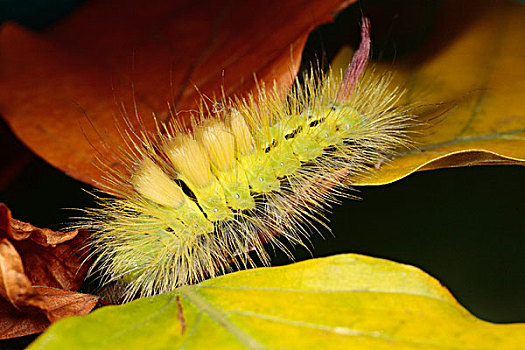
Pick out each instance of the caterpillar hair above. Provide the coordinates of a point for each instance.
(190, 202)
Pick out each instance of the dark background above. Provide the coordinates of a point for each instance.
(464, 226)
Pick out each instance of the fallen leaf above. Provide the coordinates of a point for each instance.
(164, 48)
(57, 304)
(53, 259)
(475, 64)
(39, 271)
(15, 287)
(14, 323)
(339, 302)
(19, 231)
(62, 303)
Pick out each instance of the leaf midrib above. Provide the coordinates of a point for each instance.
(357, 290)
(219, 317)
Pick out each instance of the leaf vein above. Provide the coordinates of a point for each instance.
(220, 317)
(322, 291)
(346, 331)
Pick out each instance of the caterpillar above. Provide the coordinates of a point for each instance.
(190, 202)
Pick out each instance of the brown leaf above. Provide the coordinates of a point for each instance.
(50, 258)
(60, 267)
(14, 323)
(19, 230)
(165, 48)
(62, 303)
(38, 268)
(59, 304)
(15, 287)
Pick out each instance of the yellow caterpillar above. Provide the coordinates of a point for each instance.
(192, 201)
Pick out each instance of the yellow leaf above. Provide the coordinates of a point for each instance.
(340, 302)
(475, 62)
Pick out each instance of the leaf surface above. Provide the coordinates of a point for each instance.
(344, 301)
(475, 65)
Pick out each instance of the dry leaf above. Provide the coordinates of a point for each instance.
(15, 286)
(165, 48)
(39, 269)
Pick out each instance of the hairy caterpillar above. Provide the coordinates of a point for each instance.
(189, 202)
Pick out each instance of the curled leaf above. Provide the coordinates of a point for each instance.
(15, 287)
(39, 271)
(18, 230)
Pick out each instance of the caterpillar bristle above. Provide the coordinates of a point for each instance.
(191, 202)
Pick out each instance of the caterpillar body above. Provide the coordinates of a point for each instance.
(191, 202)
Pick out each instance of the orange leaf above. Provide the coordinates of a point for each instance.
(163, 47)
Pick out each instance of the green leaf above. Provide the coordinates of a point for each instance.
(339, 302)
